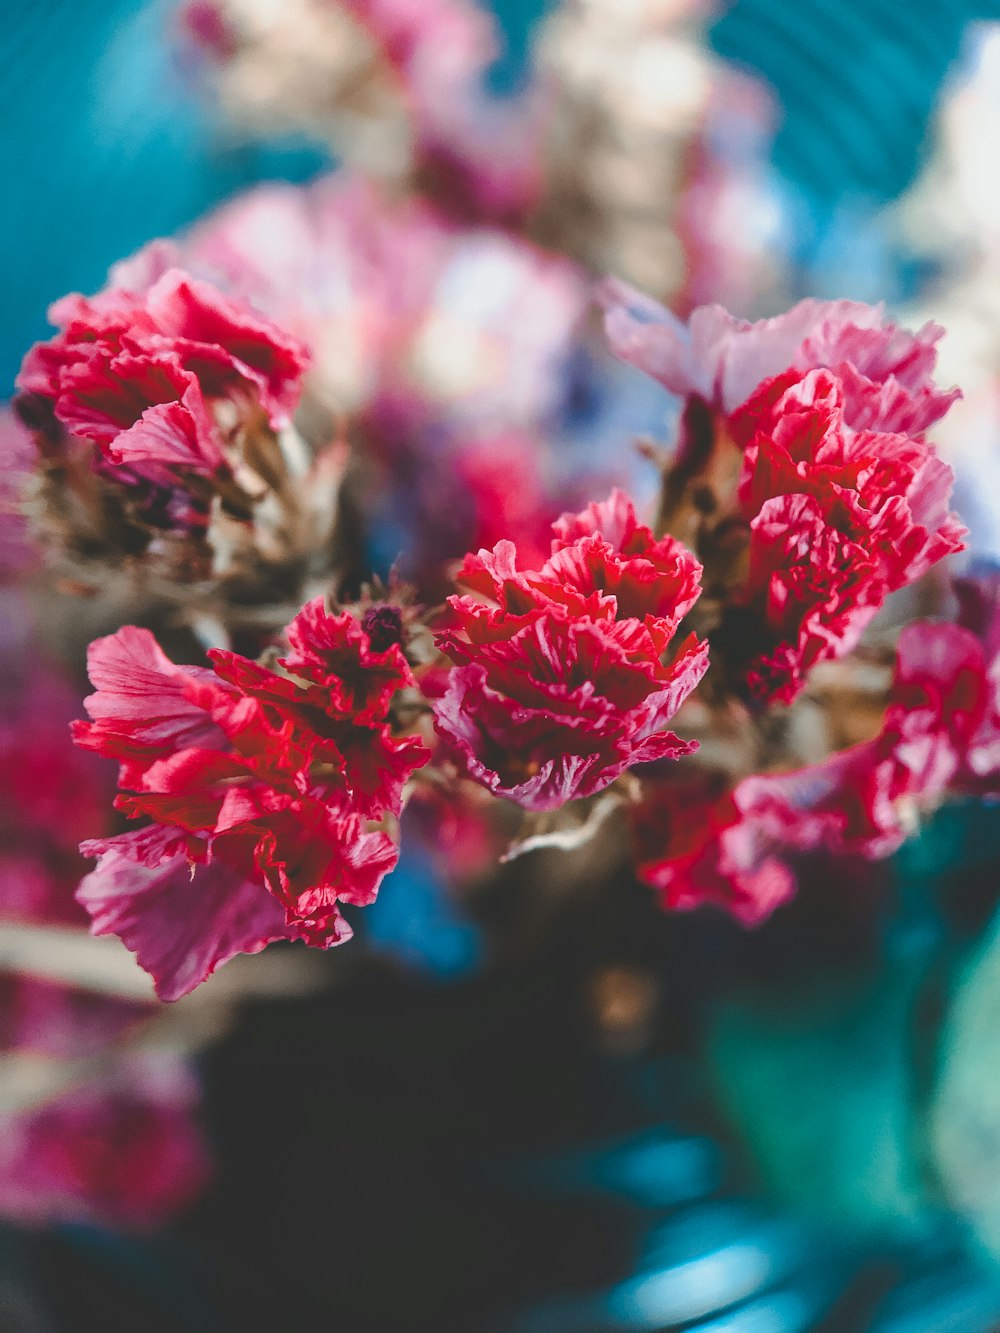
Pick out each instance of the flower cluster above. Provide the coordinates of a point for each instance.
(693, 845)
(155, 409)
(297, 467)
(803, 477)
(262, 789)
(941, 732)
(561, 679)
(838, 518)
(270, 790)
(411, 371)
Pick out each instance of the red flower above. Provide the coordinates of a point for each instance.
(944, 717)
(605, 548)
(181, 919)
(259, 786)
(979, 614)
(138, 374)
(844, 500)
(226, 345)
(809, 593)
(731, 851)
(362, 664)
(838, 519)
(941, 726)
(697, 849)
(867, 796)
(893, 487)
(560, 682)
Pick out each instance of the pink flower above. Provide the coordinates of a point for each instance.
(732, 850)
(697, 849)
(887, 371)
(139, 374)
(182, 920)
(176, 321)
(606, 549)
(559, 682)
(51, 1019)
(863, 800)
(51, 795)
(78, 1154)
(259, 786)
(121, 1153)
(81, 1154)
(838, 518)
(866, 797)
(809, 593)
(839, 498)
(362, 664)
(944, 716)
(940, 733)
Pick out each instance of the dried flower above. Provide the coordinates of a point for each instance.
(561, 682)
(162, 415)
(802, 478)
(260, 787)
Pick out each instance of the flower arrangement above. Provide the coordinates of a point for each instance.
(392, 515)
(801, 496)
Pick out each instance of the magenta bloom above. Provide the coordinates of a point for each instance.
(140, 374)
(864, 800)
(178, 322)
(944, 717)
(941, 732)
(51, 795)
(259, 787)
(841, 499)
(839, 518)
(81, 1153)
(696, 848)
(560, 680)
(125, 1152)
(979, 602)
(887, 371)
